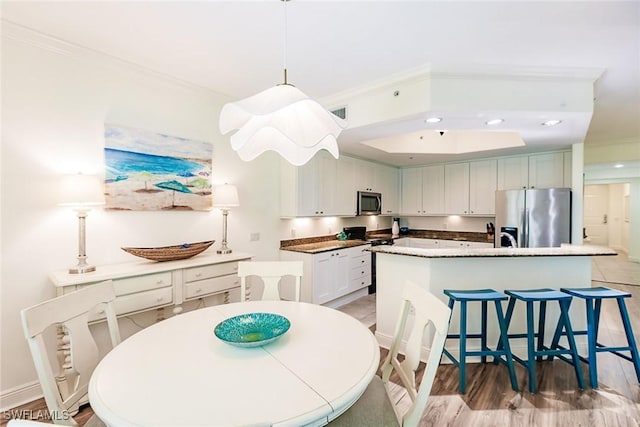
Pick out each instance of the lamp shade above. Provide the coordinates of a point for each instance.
(80, 190)
(225, 196)
(284, 120)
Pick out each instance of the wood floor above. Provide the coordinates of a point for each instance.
(489, 400)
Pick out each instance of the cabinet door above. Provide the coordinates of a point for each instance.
(308, 188)
(433, 190)
(345, 189)
(365, 176)
(513, 173)
(322, 277)
(482, 187)
(327, 183)
(387, 183)
(546, 170)
(341, 268)
(456, 194)
(411, 199)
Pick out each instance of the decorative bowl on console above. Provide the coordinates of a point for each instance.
(170, 253)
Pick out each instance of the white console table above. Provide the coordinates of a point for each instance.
(149, 285)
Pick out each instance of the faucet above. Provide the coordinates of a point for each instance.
(512, 241)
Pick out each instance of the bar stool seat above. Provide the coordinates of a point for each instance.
(483, 296)
(593, 301)
(536, 350)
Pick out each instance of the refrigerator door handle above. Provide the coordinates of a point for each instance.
(525, 228)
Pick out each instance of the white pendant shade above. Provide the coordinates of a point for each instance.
(284, 120)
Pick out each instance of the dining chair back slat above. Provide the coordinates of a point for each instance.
(426, 320)
(65, 387)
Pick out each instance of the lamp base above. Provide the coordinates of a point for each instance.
(224, 251)
(80, 269)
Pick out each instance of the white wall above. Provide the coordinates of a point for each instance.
(55, 101)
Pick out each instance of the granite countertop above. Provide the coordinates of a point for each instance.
(564, 250)
(323, 246)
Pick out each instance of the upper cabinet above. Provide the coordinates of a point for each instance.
(422, 190)
(327, 187)
(546, 170)
(456, 188)
(483, 181)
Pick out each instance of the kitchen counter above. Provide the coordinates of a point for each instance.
(479, 268)
(564, 250)
(323, 246)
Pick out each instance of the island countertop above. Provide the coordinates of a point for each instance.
(564, 250)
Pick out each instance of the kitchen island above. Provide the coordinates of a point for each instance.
(479, 268)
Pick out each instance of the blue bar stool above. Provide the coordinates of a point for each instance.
(484, 296)
(535, 351)
(593, 300)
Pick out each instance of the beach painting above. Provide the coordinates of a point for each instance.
(148, 171)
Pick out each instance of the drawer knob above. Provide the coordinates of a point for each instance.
(160, 282)
(198, 291)
(198, 274)
(159, 299)
(101, 311)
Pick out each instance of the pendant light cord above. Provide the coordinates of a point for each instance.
(284, 59)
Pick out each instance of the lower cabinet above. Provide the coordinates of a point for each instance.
(145, 286)
(331, 277)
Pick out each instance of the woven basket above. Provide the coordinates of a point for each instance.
(170, 253)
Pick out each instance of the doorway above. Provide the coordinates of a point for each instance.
(604, 215)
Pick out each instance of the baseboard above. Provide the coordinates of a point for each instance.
(20, 395)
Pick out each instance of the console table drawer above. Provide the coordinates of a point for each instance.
(147, 282)
(208, 271)
(137, 302)
(206, 287)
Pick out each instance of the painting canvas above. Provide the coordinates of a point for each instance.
(147, 171)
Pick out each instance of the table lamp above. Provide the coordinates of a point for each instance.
(225, 197)
(81, 192)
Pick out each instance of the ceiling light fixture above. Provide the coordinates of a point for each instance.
(619, 165)
(281, 119)
(494, 122)
(552, 122)
(433, 120)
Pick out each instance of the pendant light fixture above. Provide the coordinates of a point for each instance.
(282, 119)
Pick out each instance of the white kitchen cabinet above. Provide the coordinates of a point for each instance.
(513, 173)
(333, 277)
(360, 268)
(345, 189)
(365, 175)
(387, 182)
(546, 170)
(456, 188)
(411, 194)
(423, 191)
(309, 190)
(482, 187)
(433, 190)
(143, 286)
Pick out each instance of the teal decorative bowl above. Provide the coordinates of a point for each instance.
(252, 329)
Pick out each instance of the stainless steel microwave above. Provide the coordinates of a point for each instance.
(369, 203)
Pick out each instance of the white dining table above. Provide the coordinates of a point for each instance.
(178, 373)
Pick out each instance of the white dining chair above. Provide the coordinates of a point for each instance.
(383, 403)
(65, 387)
(271, 273)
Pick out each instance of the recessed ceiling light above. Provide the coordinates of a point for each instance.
(619, 165)
(494, 122)
(434, 120)
(552, 122)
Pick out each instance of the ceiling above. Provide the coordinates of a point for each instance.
(236, 48)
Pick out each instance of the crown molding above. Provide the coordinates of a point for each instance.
(19, 33)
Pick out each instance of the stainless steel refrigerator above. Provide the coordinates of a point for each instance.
(534, 218)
